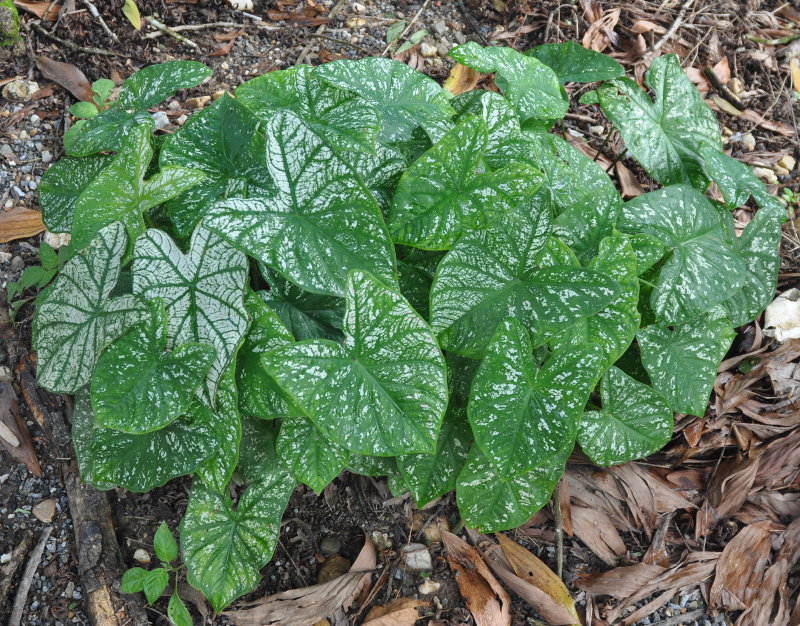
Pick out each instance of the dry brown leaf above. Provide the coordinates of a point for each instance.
(19, 223)
(486, 599)
(740, 568)
(771, 604)
(399, 612)
(310, 604)
(66, 75)
(461, 79)
(222, 50)
(43, 10)
(778, 464)
(16, 431)
(723, 70)
(620, 582)
(601, 33)
(595, 529)
(727, 491)
(657, 552)
(646, 26)
(628, 183)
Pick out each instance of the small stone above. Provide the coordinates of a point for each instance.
(20, 90)
(433, 531)
(440, 28)
(17, 263)
(7, 152)
(780, 171)
(417, 557)
(141, 556)
(330, 545)
(197, 103)
(429, 586)
(160, 119)
(443, 48)
(5, 558)
(597, 130)
(460, 37)
(47, 156)
(45, 510)
(224, 66)
(355, 22)
(5, 257)
(748, 142)
(788, 162)
(766, 174)
(174, 105)
(35, 119)
(56, 240)
(359, 8)
(70, 588)
(181, 120)
(381, 540)
(5, 376)
(427, 50)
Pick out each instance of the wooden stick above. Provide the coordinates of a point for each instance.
(405, 30)
(184, 27)
(170, 31)
(27, 579)
(96, 14)
(73, 46)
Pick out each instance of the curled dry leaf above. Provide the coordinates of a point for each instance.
(309, 605)
(595, 529)
(489, 603)
(16, 431)
(461, 79)
(727, 491)
(620, 582)
(47, 11)
(601, 33)
(19, 223)
(66, 75)
(771, 604)
(399, 612)
(740, 568)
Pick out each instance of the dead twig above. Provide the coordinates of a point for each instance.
(96, 15)
(721, 88)
(670, 31)
(73, 46)
(170, 31)
(471, 22)
(185, 27)
(25, 582)
(558, 518)
(346, 44)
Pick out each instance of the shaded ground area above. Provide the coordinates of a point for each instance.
(727, 485)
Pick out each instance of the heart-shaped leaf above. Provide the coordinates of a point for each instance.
(735, 180)
(321, 223)
(391, 391)
(522, 416)
(702, 267)
(404, 98)
(164, 544)
(137, 387)
(79, 319)
(573, 63)
(502, 123)
(682, 361)
(224, 548)
(634, 423)
(203, 292)
(444, 194)
(663, 135)
(223, 142)
(120, 194)
(314, 459)
(530, 85)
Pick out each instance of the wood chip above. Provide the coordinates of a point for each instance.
(19, 223)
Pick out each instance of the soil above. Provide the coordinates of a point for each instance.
(352, 507)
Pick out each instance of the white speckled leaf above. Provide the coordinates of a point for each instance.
(224, 548)
(203, 292)
(491, 501)
(429, 476)
(634, 423)
(573, 63)
(216, 472)
(223, 142)
(665, 135)
(341, 117)
(62, 184)
(735, 180)
(383, 391)
(314, 459)
(758, 246)
(702, 267)
(404, 97)
(445, 193)
(120, 193)
(522, 415)
(321, 223)
(257, 456)
(366, 465)
(497, 273)
(682, 363)
(137, 387)
(614, 327)
(530, 85)
(502, 123)
(108, 458)
(78, 319)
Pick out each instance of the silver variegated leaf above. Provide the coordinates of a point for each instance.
(216, 471)
(314, 459)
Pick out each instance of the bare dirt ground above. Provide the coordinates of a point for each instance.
(705, 532)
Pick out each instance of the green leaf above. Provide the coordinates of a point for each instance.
(415, 285)
(735, 180)
(395, 30)
(177, 612)
(137, 387)
(633, 424)
(257, 456)
(663, 135)
(321, 223)
(702, 267)
(47, 256)
(308, 454)
(530, 85)
(108, 458)
(131, 11)
(224, 548)
(390, 389)
(259, 394)
(223, 142)
(133, 580)
(367, 465)
(62, 184)
(502, 123)
(758, 246)
(493, 274)
(522, 416)
(614, 327)
(79, 319)
(445, 194)
(84, 110)
(102, 87)
(573, 63)
(343, 119)
(203, 292)
(120, 194)
(306, 315)
(164, 544)
(404, 97)
(490, 501)
(682, 362)
(429, 476)
(155, 582)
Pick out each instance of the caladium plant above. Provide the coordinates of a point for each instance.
(347, 267)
